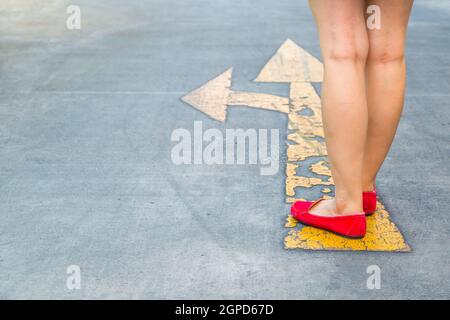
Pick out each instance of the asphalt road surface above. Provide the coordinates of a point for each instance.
(87, 179)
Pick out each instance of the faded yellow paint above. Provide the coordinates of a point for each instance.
(212, 97)
(291, 63)
(293, 182)
(292, 199)
(306, 131)
(306, 136)
(290, 222)
(259, 100)
(321, 168)
(215, 96)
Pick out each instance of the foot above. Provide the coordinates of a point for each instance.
(325, 208)
(328, 208)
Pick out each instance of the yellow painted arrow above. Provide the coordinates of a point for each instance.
(292, 64)
(215, 96)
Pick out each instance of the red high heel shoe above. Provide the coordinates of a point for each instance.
(352, 226)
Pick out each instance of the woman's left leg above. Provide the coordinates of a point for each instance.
(385, 83)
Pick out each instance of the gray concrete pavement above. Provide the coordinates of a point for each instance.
(86, 176)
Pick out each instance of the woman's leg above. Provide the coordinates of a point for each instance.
(344, 45)
(385, 76)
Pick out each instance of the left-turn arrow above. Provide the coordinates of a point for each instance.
(215, 96)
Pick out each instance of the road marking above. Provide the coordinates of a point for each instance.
(215, 96)
(292, 64)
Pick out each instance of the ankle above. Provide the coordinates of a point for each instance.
(368, 186)
(345, 206)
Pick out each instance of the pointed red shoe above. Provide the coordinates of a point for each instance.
(369, 202)
(352, 226)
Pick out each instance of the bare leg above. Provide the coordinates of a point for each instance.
(344, 45)
(385, 76)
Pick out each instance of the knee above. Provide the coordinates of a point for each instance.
(387, 49)
(386, 55)
(355, 53)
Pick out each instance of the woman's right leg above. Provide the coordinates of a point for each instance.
(344, 45)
